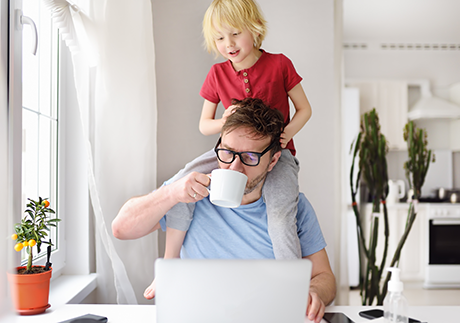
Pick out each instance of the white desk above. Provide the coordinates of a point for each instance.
(147, 313)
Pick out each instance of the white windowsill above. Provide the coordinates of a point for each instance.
(71, 289)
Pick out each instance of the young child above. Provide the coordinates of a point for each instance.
(235, 29)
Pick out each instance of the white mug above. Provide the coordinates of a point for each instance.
(227, 187)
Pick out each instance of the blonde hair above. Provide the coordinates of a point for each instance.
(238, 14)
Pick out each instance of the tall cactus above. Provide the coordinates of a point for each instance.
(371, 146)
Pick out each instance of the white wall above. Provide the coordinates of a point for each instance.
(181, 67)
(441, 67)
(305, 31)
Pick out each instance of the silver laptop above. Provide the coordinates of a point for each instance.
(236, 291)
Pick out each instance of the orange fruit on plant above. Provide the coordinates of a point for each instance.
(14, 236)
(18, 246)
(32, 242)
(46, 203)
(25, 244)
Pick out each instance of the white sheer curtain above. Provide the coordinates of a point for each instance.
(112, 50)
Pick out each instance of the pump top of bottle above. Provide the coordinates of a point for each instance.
(394, 285)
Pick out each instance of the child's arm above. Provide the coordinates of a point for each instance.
(208, 124)
(174, 240)
(301, 116)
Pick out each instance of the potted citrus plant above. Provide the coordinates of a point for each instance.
(30, 284)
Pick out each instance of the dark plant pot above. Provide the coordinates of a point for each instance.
(30, 292)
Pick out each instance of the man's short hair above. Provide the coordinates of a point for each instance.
(260, 119)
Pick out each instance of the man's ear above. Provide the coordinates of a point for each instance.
(274, 160)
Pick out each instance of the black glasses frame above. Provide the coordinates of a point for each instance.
(259, 155)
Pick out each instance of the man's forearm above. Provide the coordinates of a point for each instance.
(324, 285)
(140, 216)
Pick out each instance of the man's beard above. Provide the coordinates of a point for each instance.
(250, 187)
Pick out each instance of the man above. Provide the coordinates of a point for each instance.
(241, 232)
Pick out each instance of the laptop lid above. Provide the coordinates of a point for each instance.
(237, 290)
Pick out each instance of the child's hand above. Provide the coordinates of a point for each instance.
(228, 112)
(284, 140)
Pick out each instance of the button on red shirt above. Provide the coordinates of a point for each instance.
(269, 79)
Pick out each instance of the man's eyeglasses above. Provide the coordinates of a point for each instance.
(248, 158)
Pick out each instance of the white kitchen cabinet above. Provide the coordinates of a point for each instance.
(412, 260)
(390, 99)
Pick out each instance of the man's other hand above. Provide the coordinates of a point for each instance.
(315, 307)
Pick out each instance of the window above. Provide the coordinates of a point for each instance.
(40, 112)
(45, 137)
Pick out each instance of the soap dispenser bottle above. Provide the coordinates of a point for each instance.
(395, 306)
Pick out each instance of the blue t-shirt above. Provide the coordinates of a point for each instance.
(242, 232)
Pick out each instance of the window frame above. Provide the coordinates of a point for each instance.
(4, 151)
(74, 243)
(42, 106)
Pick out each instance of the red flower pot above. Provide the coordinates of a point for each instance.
(30, 292)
